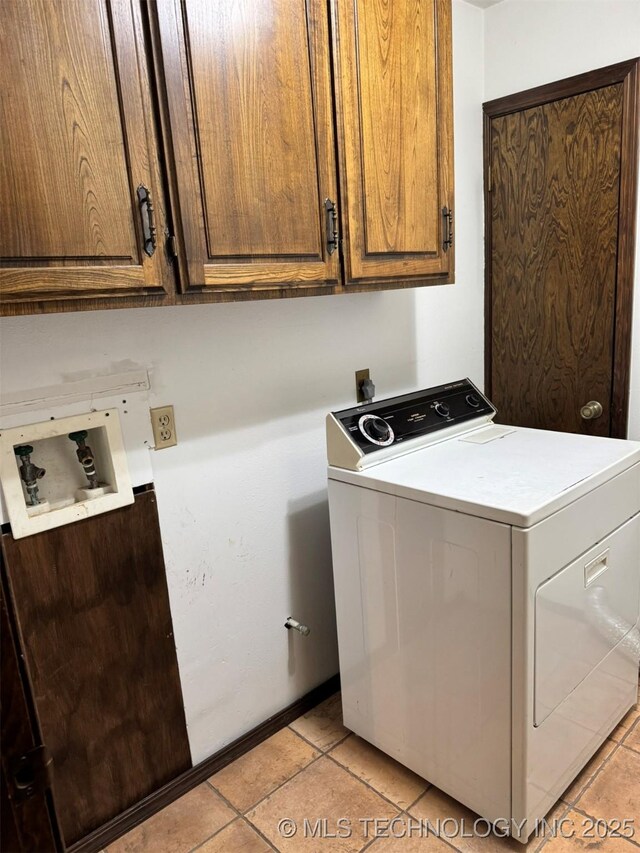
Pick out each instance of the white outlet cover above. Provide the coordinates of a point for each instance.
(115, 463)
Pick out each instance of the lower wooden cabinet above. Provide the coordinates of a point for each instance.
(92, 619)
(27, 814)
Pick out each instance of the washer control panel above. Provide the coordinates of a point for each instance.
(389, 422)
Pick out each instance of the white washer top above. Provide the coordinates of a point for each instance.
(518, 477)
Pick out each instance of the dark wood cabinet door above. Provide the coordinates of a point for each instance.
(77, 140)
(92, 609)
(250, 127)
(395, 135)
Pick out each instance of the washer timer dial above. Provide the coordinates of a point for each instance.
(376, 430)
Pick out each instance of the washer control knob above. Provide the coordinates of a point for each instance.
(376, 429)
(442, 409)
(472, 401)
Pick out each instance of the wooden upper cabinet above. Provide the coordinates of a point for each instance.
(307, 146)
(250, 128)
(77, 140)
(395, 136)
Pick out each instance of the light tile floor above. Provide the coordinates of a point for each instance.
(315, 768)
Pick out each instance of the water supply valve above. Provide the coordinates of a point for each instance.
(29, 472)
(85, 456)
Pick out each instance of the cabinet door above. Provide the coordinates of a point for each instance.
(77, 140)
(92, 608)
(250, 126)
(395, 136)
(27, 813)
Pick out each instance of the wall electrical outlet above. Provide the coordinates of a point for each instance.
(164, 427)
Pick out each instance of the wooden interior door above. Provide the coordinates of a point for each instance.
(395, 135)
(250, 126)
(77, 140)
(92, 609)
(560, 208)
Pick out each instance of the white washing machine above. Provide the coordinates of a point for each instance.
(487, 585)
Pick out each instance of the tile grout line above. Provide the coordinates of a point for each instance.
(335, 745)
(420, 796)
(316, 746)
(547, 838)
(277, 788)
(366, 784)
(218, 831)
(632, 727)
(590, 782)
(402, 811)
(238, 816)
(243, 815)
(582, 811)
(260, 833)
(281, 785)
(432, 831)
(246, 817)
(585, 813)
(573, 806)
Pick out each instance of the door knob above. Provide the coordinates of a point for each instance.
(593, 409)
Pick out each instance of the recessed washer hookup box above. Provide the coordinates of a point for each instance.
(63, 470)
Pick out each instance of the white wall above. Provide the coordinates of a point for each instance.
(531, 42)
(242, 498)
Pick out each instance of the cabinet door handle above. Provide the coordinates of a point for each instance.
(332, 225)
(447, 239)
(147, 219)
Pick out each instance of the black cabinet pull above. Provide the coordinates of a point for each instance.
(147, 219)
(447, 239)
(332, 225)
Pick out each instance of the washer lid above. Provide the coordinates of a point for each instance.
(518, 476)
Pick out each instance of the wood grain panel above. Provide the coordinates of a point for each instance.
(398, 98)
(395, 135)
(29, 823)
(92, 606)
(249, 125)
(258, 162)
(49, 134)
(554, 224)
(77, 135)
(61, 281)
(627, 236)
